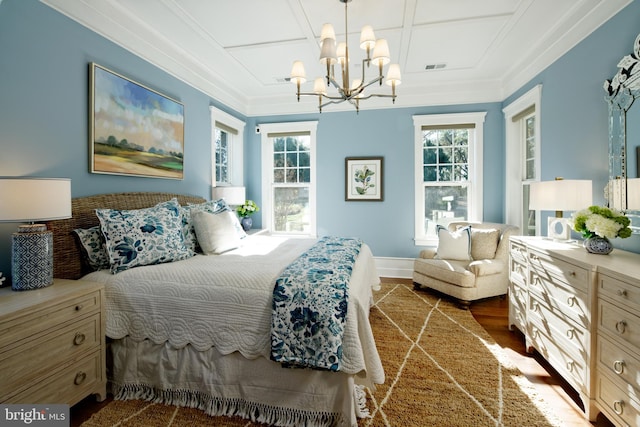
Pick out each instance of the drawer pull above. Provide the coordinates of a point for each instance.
(536, 307)
(571, 333)
(571, 301)
(570, 366)
(80, 377)
(622, 293)
(534, 257)
(621, 326)
(572, 273)
(618, 407)
(618, 367)
(79, 307)
(79, 338)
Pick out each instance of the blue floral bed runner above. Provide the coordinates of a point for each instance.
(310, 300)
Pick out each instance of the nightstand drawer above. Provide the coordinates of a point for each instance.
(70, 385)
(32, 323)
(48, 351)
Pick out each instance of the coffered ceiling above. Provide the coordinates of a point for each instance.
(240, 52)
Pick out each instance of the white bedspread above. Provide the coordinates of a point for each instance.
(224, 301)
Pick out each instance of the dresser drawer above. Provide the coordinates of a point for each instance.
(32, 323)
(517, 307)
(619, 292)
(553, 269)
(619, 323)
(517, 272)
(617, 403)
(563, 299)
(47, 351)
(572, 339)
(518, 252)
(620, 364)
(68, 386)
(572, 370)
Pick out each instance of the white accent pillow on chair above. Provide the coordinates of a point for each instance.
(454, 245)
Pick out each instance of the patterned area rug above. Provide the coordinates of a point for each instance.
(442, 369)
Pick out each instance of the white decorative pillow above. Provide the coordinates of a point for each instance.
(216, 232)
(143, 236)
(484, 242)
(212, 206)
(454, 245)
(93, 247)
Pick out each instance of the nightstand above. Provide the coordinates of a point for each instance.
(52, 343)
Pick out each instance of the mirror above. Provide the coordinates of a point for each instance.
(623, 189)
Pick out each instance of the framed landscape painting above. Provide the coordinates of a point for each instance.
(133, 130)
(363, 179)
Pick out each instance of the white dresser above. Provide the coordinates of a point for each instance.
(552, 299)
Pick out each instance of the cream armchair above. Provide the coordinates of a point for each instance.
(484, 274)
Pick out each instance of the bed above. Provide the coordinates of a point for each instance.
(197, 332)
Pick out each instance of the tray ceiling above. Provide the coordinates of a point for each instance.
(240, 52)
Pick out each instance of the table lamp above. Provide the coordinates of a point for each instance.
(560, 195)
(234, 196)
(26, 199)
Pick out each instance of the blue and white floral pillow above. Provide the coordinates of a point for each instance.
(93, 247)
(143, 236)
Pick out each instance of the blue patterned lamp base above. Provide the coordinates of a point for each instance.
(31, 258)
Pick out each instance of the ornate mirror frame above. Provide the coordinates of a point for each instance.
(621, 92)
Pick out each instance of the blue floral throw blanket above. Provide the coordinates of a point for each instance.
(310, 300)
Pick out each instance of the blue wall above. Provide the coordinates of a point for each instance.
(44, 59)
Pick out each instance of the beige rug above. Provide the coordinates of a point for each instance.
(442, 369)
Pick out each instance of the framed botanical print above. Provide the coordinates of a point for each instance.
(133, 130)
(363, 179)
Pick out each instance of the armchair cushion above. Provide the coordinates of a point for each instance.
(484, 242)
(454, 272)
(485, 267)
(454, 245)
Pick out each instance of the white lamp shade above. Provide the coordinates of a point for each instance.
(560, 195)
(341, 52)
(34, 199)
(381, 52)
(327, 32)
(393, 75)
(234, 196)
(633, 194)
(319, 87)
(328, 51)
(367, 38)
(298, 74)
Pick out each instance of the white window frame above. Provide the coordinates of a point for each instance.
(267, 170)
(236, 144)
(514, 158)
(475, 188)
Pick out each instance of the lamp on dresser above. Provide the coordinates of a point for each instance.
(234, 196)
(27, 199)
(560, 195)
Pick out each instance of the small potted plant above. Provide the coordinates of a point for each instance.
(245, 211)
(598, 224)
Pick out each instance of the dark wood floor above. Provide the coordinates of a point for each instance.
(492, 314)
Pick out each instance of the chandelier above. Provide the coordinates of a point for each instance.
(330, 54)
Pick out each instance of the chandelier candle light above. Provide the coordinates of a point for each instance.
(330, 54)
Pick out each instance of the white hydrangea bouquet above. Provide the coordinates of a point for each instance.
(248, 208)
(601, 221)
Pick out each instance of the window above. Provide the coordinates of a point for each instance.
(288, 177)
(448, 171)
(522, 124)
(226, 148)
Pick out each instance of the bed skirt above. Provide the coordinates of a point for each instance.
(259, 389)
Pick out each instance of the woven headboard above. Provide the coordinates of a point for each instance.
(67, 256)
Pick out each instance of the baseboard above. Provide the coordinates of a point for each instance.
(401, 268)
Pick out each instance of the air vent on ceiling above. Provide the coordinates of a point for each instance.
(283, 79)
(430, 67)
